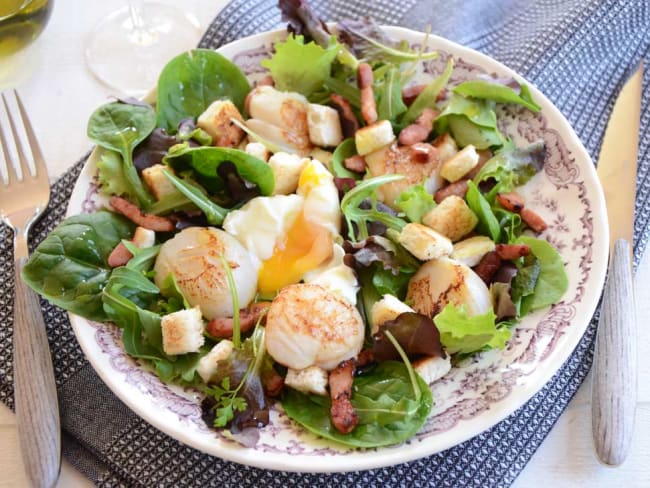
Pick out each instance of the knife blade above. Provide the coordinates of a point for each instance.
(615, 362)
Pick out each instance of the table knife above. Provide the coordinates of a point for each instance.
(615, 361)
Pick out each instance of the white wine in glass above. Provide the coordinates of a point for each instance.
(128, 49)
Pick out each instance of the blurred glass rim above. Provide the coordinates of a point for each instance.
(18, 6)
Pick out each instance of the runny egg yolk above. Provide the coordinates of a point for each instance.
(306, 246)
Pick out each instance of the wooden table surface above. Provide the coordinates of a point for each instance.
(60, 93)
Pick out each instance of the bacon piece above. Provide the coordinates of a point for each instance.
(533, 220)
(222, 326)
(423, 153)
(419, 130)
(512, 251)
(343, 415)
(365, 358)
(137, 216)
(410, 93)
(355, 163)
(272, 383)
(368, 105)
(458, 188)
(119, 256)
(488, 266)
(349, 122)
(511, 201)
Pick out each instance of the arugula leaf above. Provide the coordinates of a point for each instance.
(191, 81)
(169, 289)
(488, 224)
(427, 98)
(464, 334)
(415, 202)
(497, 92)
(213, 212)
(511, 166)
(384, 399)
(552, 281)
(120, 127)
(389, 92)
(350, 207)
(301, 67)
(70, 267)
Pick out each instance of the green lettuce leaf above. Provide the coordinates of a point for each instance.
(301, 67)
(512, 166)
(470, 121)
(488, 224)
(415, 202)
(552, 281)
(460, 333)
(110, 174)
(497, 93)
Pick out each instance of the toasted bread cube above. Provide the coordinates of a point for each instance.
(258, 150)
(424, 243)
(452, 218)
(286, 170)
(143, 238)
(182, 331)
(157, 182)
(324, 126)
(471, 251)
(309, 380)
(446, 146)
(287, 110)
(216, 121)
(388, 308)
(454, 168)
(373, 137)
(208, 364)
(432, 368)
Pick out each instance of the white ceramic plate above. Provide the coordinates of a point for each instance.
(470, 399)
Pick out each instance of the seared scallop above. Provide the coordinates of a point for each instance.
(442, 281)
(308, 325)
(193, 256)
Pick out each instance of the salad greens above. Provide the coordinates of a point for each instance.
(512, 166)
(388, 409)
(191, 81)
(465, 334)
(428, 97)
(70, 267)
(497, 92)
(120, 127)
(415, 202)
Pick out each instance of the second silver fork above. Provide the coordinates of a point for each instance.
(22, 201)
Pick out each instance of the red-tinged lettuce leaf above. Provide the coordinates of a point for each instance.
(153, 149)
(415, 333)
(303, 20)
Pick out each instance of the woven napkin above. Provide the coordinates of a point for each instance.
(577, 52)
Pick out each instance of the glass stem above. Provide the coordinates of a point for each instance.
(141, 34)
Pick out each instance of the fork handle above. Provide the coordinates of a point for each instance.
(37, 408)
(615, 363)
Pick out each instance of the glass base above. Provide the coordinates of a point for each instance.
(129, 57)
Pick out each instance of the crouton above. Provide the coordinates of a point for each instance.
(461, 163)
(216, 121)
(286, 170)
(182, 331)
(159, 185)
(309, 380)
(432, 368)
(423, 242)
(452, 218)
(258, 150)
(324, 125)
(388, 308)
(207, 366)
(373, 137)
(471, 251)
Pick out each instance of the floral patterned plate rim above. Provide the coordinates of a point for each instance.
(471, 398)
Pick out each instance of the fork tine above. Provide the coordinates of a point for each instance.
(37, 155)
(11, 172)
(24, 167)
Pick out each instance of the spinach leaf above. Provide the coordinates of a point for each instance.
(552, 282)
(496, 92)
(70, 269)
(464, 334)
(205, 161)
(427, 98)
(471, 121)
(301, 67)
(390, 105)
(523, 284)
(386, 282)
(384, 401)
(343, 151)
(120, 127)
(415, 202)
(213, 212)
(191, 81)
(512, 167)
(488, 225)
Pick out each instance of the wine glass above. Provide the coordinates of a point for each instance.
(128, 49)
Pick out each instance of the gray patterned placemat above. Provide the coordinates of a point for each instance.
(577, 52)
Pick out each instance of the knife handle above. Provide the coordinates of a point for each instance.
(615, 363)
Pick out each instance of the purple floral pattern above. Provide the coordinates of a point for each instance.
(471, 387)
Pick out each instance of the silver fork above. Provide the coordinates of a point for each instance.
(22, 201)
